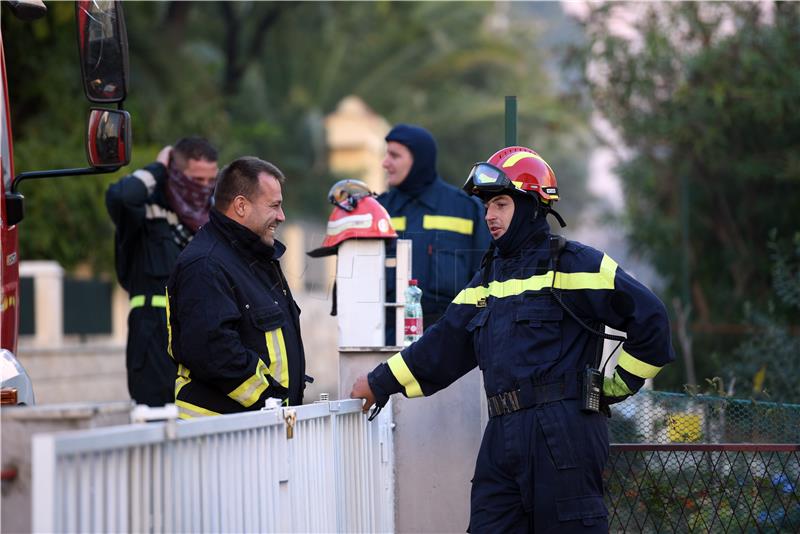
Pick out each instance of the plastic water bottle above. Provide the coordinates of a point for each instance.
(413, 313)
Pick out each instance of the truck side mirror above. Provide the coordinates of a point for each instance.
(103, 49)
(108, 139)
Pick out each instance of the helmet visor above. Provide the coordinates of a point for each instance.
(486, 178)
(346, 194)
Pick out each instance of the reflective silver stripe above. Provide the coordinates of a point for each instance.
(251, 389)
(276, 355)
(188, 411)
(154, 211)
(147, 179)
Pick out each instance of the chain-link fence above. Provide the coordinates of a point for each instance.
(703, 488)
(660, 417)
(682, 463)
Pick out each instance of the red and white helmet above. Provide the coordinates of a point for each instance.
(356, 215)
(514, 168)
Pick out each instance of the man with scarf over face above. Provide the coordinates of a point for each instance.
(443, 223)
(156, 212)
(533, 321)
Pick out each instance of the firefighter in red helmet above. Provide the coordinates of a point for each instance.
(533, 320)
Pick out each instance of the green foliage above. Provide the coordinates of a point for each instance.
(775, 343)
(259, 77)
(708, 93)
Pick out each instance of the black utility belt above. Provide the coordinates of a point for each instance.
(531, 394)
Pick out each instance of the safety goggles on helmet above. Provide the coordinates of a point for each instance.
(486, 178)
(346, 193)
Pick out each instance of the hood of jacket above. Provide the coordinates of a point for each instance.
(422, 146)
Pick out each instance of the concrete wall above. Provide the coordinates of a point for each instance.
(70, 369)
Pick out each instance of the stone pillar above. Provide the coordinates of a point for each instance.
(48, 289)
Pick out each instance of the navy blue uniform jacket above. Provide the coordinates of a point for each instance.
(449, 238)
(514, 330)
(234, 326)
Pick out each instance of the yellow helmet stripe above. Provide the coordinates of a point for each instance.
(521, 155)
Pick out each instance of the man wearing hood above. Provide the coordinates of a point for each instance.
(443, 223)
(234, 325)
(156, 211)
(533, 321)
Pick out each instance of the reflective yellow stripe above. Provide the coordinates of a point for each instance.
(187, 410)
(169, 329)
(182, 379)
(156, 301)
(518, 156)
(403, 375)
(615, 387)
(446, 222)
(637, 367)
(278, 367)
(604, 279)
(399, 224)
(251, 389)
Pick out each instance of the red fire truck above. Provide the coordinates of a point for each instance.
(103, 57)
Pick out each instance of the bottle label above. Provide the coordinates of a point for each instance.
(413, 326)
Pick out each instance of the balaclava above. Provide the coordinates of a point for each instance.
(422, 146)
(528, 221)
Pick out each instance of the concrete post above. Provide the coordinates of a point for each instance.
(360, 292)
(48, 288)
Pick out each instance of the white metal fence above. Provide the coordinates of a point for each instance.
(233, 473)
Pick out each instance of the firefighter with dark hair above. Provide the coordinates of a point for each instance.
(234, 325)
(156, 211)
(533, 320)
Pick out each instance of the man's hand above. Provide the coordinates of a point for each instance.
(361, 390)
(164, 155)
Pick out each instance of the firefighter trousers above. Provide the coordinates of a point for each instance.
(541, 470)
(151, 371)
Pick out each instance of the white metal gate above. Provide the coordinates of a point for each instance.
(232, 473)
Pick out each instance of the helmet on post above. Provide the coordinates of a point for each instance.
(356, 215)
(515, 170)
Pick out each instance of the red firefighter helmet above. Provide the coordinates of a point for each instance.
(513, 168)
(356, 215)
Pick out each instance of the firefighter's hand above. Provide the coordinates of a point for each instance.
(164, 156)
(361, 390)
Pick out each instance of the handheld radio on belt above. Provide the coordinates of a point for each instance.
(592, 377)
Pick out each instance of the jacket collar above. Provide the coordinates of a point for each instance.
(428, 197)
(243, 239)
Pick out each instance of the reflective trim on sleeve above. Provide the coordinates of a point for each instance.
(615, 386)
(603, 279)
(137, 301)
(147, 179)
(637, 367)
(251, 389)
(187, 410)
(278, 366)
(398, 223)
(458, 225)
(403, 375)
